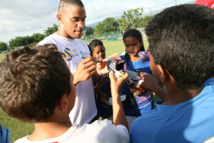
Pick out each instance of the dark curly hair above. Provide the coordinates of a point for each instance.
(32, 82)
(181, 40)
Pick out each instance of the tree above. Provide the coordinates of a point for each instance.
(146, 19)
(3, 46)
(88, 31)
(51, 30)
(108, 25)
(38, 37)
(131, 19)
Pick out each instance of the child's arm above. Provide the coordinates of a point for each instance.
(104, 79)
(119, 117)
(151, 83)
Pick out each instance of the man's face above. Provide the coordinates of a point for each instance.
(73, 21)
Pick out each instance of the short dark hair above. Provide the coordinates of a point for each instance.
(94, 43)
(32, 82)
(135, 34)
(181, 40)
(63, 4)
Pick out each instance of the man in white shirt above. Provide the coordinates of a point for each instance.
(71, 16)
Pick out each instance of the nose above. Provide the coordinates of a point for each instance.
(81, 24)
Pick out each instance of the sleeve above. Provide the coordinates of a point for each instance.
(110, 132)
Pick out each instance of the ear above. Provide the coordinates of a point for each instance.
(63, 103)
(163, 74)
(59, 17)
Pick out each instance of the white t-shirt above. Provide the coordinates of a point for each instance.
(84, 109)
(97, 132)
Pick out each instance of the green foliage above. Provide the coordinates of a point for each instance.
(108, 25)
(88, 31)
(3, 46)
(38, 37)
(133, 19)
(51, 30)
(27, 40)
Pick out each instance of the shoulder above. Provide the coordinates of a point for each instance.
(122, 57)
(22, 140)
(51, 39)
(106, 131)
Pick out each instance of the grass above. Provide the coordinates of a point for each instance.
(19, 129)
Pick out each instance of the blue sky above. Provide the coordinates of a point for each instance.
(26, 17)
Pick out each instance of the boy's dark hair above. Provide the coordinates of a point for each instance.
(135, 34)
(32, 82)
(63, 4)
(181, 40)
(94, 43)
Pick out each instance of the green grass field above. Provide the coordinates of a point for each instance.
(19, 129)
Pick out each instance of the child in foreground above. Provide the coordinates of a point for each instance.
(181, 50)
(37, 86)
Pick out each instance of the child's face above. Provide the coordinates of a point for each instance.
(132, 46)
(99, 52)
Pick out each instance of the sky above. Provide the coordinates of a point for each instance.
(27, 17)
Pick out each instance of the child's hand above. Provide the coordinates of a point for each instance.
(150, 82)
(102, 65)
(116, 83)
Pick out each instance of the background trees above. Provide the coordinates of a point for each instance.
(107, 25)
(132, 18)
(3, 46)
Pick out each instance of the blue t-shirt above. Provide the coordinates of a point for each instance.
(136, 106)
(103, 110)
(190, 121)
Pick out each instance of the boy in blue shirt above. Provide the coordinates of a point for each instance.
(181, 50)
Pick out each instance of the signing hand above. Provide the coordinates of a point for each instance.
(85, 70)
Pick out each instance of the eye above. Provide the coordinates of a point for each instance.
(75, 19)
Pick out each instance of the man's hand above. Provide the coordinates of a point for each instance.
(85, 70)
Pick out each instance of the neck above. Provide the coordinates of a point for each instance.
(48, 130)
(134, 58)
(180, 96)
(62, 33)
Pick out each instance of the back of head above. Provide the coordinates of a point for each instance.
(94, 43)
(181, 41)
(64, 4)
(32, 81)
